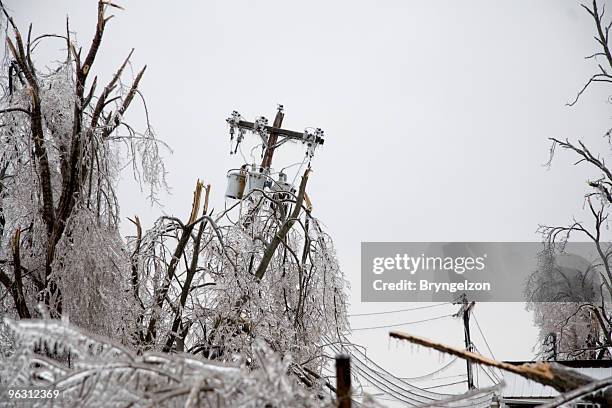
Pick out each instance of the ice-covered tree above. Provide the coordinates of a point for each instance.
(63, 141)
(103, 373)
(257, 285)
(212, 286)
(572, 309)
(569, 303)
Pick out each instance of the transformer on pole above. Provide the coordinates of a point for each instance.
(253, 177)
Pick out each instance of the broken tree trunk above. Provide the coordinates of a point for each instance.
(580, 392)
(551, 374)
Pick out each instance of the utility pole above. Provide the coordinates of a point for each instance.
(464, 312)
(343, 381)
(273, 139)
(272, 136)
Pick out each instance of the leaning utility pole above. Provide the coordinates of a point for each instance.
(254, 179)
(272, 139)
(251, 177)
(464, 312)
(270, 134)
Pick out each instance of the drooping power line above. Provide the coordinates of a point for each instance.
(386, 326)
(400, 310)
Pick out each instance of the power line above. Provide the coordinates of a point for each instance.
(417, 379)
(483, 336)
(494, 379)
(351, 349)
(488, 347)
(386, 375)
(487, 370)
(398, 392)
(399, 310)
(402, 324)
(384, 384)
(445, 385)
(432, 374)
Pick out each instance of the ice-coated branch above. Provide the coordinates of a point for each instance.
(284, 230)
(551, 374)
(580, 392)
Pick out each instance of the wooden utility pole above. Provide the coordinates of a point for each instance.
(273, 136)
(278, 121)
(465, 310)
(343, 381)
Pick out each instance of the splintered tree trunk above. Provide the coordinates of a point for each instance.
(551, 374)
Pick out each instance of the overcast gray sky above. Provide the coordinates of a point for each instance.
(436, 114)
